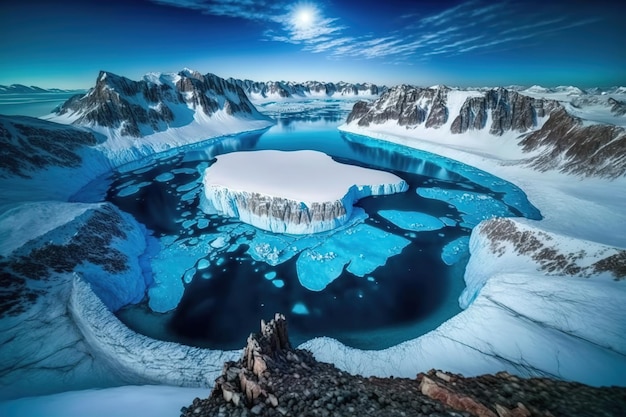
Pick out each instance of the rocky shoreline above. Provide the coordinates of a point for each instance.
(273, 379)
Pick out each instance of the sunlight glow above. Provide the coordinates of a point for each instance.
(304, 16)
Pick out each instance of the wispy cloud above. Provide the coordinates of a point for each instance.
(475, 25)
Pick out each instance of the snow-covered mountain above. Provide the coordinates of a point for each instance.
(156, 103)
(555, 139)
(499, 110)
(288, 89)
(165, 110)
(24, 89)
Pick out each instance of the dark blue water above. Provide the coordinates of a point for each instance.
(411, 294)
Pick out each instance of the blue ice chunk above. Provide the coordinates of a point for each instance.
(187, 187)
(203, 223)
(275, 249)
(270, 275)
(455, 250)
(278, 283)
(448, 221)
(188, 223)
(184, 171)
(362, 248)
(475, 207)
(132, 189)
(300, 308)
(410, 220)
(165, 177)
(188, 277)
(191, 194)
(203, 264)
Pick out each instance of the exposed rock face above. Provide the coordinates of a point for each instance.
(561, 141)
(272, 379)
(618, 107)
(92, 238)
(570, 146)
(412, 106)
(509, 111)
(409, 106)
(30, 144)
(548, 253)
(310, 88)
(159, 101)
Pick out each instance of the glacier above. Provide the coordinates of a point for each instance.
(296, 192)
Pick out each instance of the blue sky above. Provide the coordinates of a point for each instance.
(461, 43)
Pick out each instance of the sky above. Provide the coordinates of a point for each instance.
(64, 44)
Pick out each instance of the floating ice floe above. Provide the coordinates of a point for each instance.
(296, 192)
(475, 207)
(410, 220)
(362, 248)
(455, 250)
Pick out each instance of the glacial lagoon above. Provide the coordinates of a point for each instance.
(392, 273)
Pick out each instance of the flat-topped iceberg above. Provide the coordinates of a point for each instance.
(296, 192)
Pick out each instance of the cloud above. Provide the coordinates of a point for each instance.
(462, 29)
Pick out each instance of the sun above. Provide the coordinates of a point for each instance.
(304, 16)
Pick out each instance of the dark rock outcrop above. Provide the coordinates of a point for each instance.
(30, 144)
(413, 106)
(618, 107)
(272, 379)
(549, 256)
(409, 106)
(86, 240)
(154, 104)
(567, 144)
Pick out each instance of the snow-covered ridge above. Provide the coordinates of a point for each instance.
(24, 89)
(552, 138)
(158, 102)
(277, 90)
(291, 192)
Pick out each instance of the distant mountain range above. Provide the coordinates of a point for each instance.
(24, 89)
(287, 89)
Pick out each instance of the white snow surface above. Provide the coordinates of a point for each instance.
(304, 178)
(127, 401)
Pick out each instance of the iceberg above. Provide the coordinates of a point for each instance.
(418, 222)
(357, 248)
(296, 192)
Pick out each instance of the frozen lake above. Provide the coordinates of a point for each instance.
(395, 271)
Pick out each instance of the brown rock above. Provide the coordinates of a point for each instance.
(453, 400)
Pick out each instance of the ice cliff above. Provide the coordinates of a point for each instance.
(291, 192)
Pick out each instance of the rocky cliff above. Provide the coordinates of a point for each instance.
(273, 379)
(287, 89)
(156, 103)
(549, 137)
(410, 106)
(567, 143)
